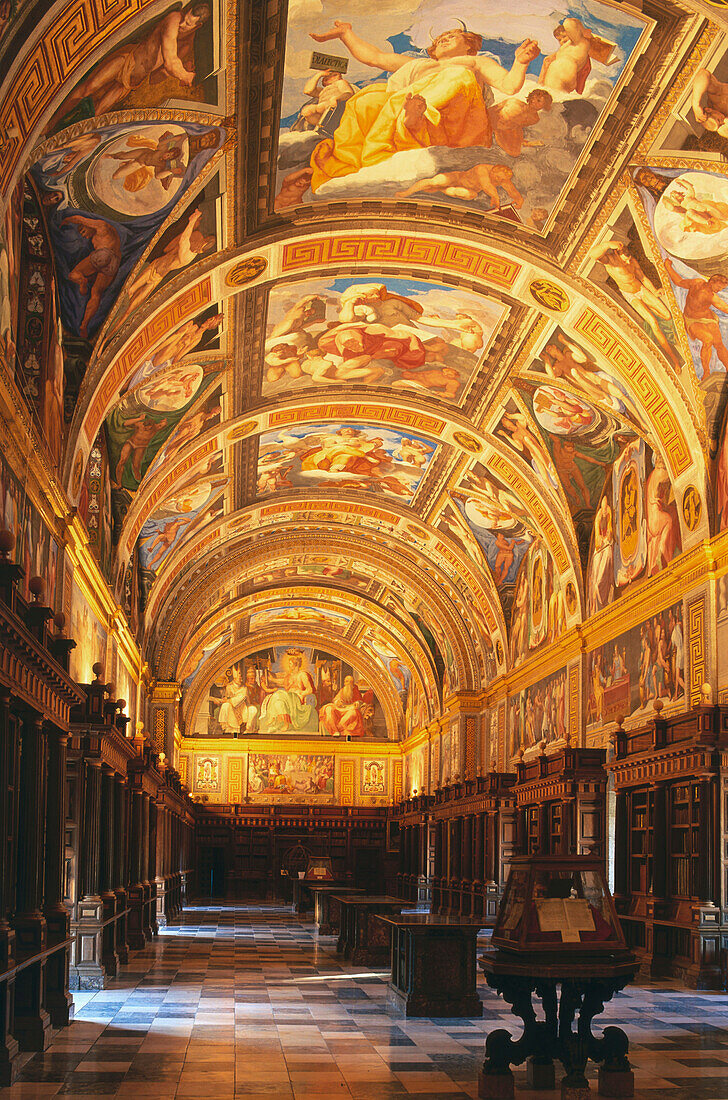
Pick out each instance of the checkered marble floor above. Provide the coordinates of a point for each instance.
(249, 1002)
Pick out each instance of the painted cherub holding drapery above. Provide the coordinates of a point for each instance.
(439, 100)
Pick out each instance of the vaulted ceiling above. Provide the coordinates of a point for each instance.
(362, 313)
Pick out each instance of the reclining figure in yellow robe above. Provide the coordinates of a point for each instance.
(440, 101)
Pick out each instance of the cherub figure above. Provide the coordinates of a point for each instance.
(511, 117)
(326, 90)
(469, 183)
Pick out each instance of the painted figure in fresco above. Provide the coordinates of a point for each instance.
(514, 428)
(565, 456)
(440, 101)
(698, 214)
(481, 179)
(601, 579)
(176, 345)
(511, 117)
(678, 653)
(6, 11)
(349, 712)
(286, 706)
(562, 358)
(72, 153)
(166, 51)
(326, 90)
(150, 159)
(240, 707)
(637, 289)
(144, 428)
(505, 556)
(96, 271)
(710, 102)
(178, 254)
(700, 321)
(567, 69)
(663, 526)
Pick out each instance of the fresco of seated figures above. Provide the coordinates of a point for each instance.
(447, 101)
(290, 690)
(414, 337)
(647, 662)
(345, 456)
(175, 56)
(636, 528)
(540, 713)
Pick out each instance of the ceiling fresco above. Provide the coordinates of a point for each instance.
(394, 342)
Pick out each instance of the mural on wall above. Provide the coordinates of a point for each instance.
(171, 57)
(492, 117)
(405, 334)
(620, 263)
(540, 713)
(105, 193)
(687, 212)
(290, 777)
(646, 662)
(291, 690)
(373, 776)
(311, 570)
(207, 775)
(539, 605)
(204, 411)
(375, 642)
(722, 636)
(347, 456)
(636, 529)
(36, 550)
(89, 635)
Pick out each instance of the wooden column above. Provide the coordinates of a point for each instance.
(9, 766)
(58, 1000)
(32, 1021)
(110, 958)
(120, 875)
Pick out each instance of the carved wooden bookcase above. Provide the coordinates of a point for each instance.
(561, 803)
(671, 782)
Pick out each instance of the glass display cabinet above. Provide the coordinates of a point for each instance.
(557, 935)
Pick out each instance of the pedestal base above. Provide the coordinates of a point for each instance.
(575, 1092)
(496, 1086)
(420, 1004)
(540, 1074)
(618, 1083)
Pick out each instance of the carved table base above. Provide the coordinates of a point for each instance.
(565, 991)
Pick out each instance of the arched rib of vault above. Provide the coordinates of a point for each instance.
(382, 684)
(550, 516)
(501, 267)
(207, 581)
(307, 586)
(365, 612)
(437, 554)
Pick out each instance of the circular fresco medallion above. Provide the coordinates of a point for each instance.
(467, 442)
(549, 295)
(692, 507)
(242, 430)
(246, 271)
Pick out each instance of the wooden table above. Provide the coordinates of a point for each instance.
(302, 890)
(363, 939)
(327, 911)
(433, 964)
(565, 986)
